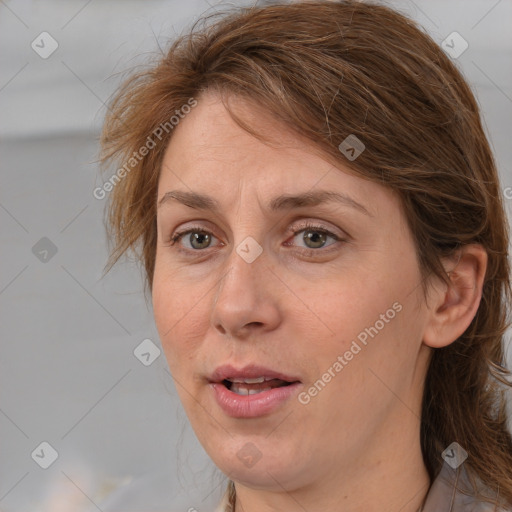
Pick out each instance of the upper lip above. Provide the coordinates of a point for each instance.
(251, 371)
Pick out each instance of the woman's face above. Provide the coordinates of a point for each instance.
(299, 270)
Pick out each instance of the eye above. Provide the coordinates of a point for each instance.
(197, 238)
(314, 237)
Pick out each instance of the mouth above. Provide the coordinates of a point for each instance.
(250, 379)
(254, 386)
(252, 391)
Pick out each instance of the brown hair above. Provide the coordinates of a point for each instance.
(329, 70)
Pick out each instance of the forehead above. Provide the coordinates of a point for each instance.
(208, 144)
(208, 136)
(210, 153)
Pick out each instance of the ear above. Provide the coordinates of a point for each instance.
(453, 307)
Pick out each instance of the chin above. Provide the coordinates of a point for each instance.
(250, 467)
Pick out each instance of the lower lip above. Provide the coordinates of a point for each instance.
(252, 406)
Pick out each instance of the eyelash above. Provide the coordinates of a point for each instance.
(305, 227)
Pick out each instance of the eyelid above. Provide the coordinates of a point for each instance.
(178, 235)
(302, 225)
(293, 230)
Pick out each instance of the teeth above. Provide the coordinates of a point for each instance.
(257, 380)
(240, 390)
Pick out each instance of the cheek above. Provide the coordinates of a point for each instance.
(368, 315)
(179, 314)
(345, 306)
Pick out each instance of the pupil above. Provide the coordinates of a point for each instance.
(315, 237)
(200, 238)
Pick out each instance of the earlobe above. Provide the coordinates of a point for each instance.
(452, 308)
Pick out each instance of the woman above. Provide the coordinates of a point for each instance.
(318, 211)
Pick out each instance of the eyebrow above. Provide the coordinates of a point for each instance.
(280, 203)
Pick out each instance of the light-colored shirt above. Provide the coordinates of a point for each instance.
(451, 491)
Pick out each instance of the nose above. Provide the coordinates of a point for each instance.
(245, 302)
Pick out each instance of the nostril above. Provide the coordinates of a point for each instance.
(221, 329)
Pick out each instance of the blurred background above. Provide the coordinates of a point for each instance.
(89, 416)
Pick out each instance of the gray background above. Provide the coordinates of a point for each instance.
(68, 373)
